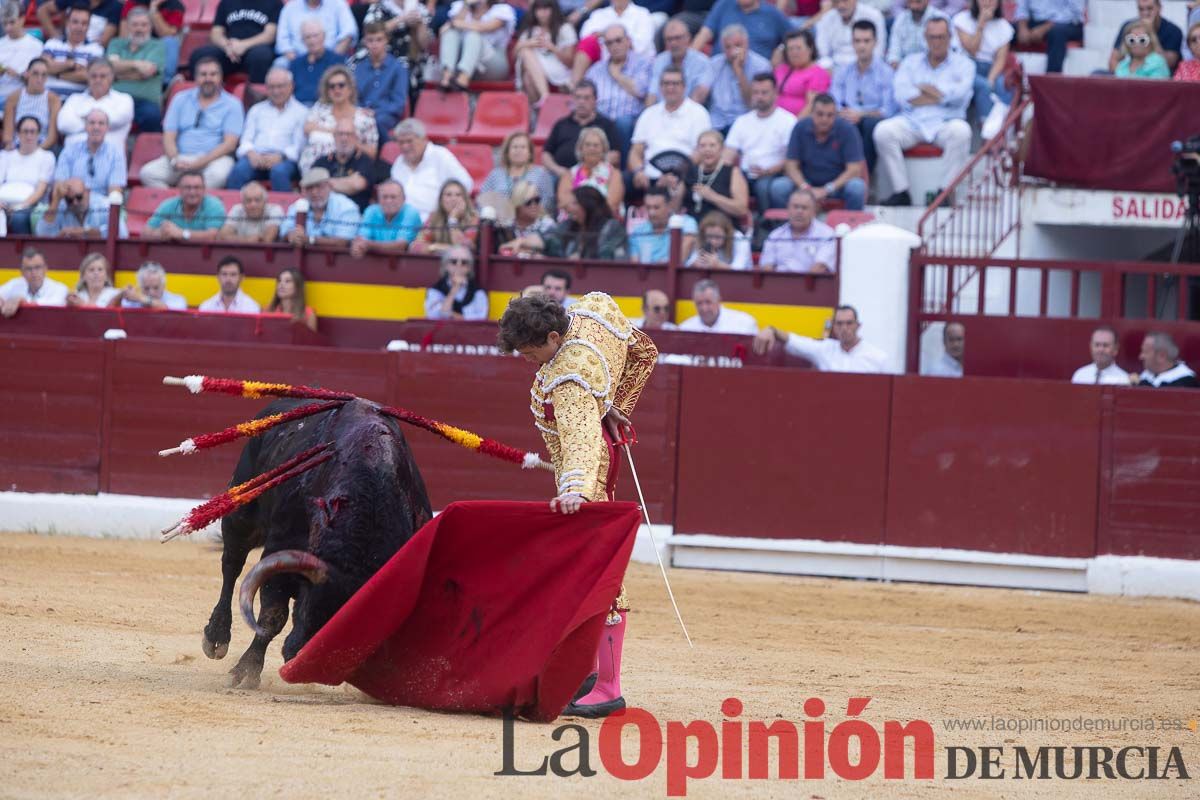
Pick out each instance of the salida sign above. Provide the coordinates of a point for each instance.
(1150, 208)
(633, 743)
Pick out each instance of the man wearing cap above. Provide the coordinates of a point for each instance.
(332, 219)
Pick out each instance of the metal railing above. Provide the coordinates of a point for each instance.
(981, 208)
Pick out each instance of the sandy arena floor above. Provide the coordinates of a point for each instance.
(104, 691)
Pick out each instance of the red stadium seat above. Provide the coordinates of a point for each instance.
(192, 41)
(141, 205)
(477, 158)
(175, 88)
(446, 115)
(555, 108)
(497, 114)
(146, 148)
(197, 15)
(923, 150)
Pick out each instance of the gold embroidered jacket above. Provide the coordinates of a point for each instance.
(603, 362)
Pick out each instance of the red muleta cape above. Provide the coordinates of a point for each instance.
(491, 607)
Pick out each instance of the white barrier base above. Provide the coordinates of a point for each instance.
(121, 516)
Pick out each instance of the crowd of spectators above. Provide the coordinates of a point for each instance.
(700, 115)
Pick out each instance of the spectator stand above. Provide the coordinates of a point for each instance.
(360, 300)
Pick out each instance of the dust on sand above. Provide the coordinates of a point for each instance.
(104, 690)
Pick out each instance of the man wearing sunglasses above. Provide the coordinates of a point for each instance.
(1170, 37)
(94, 159)
(656, 313)
(1053, 23)
(200, 132)
(78, 213)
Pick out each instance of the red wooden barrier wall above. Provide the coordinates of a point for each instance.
(995, 465)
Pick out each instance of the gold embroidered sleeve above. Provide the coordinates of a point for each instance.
(579, 438)
(639, 364)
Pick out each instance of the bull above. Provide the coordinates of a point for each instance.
(323, 534)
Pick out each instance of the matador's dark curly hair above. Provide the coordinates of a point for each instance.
(528, 321)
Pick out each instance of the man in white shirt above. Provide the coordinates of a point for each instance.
(846, 352)
(804, 243)
(231, 299)
(656, 312)
(17, 48)
(950, 363)
(759, 138)
(32, 287)
(933, 90)
(1103, 369)
(712, 317)
(118, 106)
(674, 123)
(834, 33)
(907, 36)
(272, 137)
(633, 18)
(423, 167)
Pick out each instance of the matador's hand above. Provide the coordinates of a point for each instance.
(618, 424)
(568, 504)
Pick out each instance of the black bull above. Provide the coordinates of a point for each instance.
(323, 533)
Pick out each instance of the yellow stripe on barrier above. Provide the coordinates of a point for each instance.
(399, 303)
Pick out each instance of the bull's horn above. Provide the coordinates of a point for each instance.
(283, 561)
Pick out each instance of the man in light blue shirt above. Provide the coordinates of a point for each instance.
(766, 25)
(678, 53)
(78, 214)
(389, 226)
(863, 90)
(335, 16)
(726, 85)
(273, 137)
(907, 36)
(650, 241)
(332, 219)
(1053, 23)
(200, 132)
(933, 90)
(94, 160)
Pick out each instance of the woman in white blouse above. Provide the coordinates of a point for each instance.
(474, 43)
(984, 34)
(544, 52)
(95, 286)
(25, 175)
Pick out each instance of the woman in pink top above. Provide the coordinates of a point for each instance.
(1190, 70)
(799, 77)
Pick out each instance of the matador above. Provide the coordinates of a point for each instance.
(593, 367)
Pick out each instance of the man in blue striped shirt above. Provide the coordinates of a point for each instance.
(622, 81)
(863, 90)
(1052, 22)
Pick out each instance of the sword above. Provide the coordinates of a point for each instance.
(657, 554)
